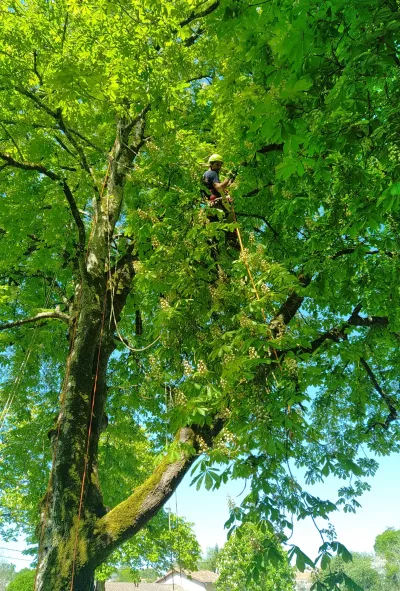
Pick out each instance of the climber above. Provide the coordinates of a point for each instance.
(212, 182)
(219, 197)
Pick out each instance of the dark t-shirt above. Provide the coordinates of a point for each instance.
(209, 178)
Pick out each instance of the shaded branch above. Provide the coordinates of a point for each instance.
(258, 217)
(57, 115)
(346, 251)
(54, 314)
(35, 68)
(385, 397)
(193, 16)
(270, 148)
(13, 141)
(75, 214)
(339, 332)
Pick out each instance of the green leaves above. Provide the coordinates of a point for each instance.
(302, 560)
(255, 557)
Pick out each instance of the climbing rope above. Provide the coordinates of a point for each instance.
(89, 433)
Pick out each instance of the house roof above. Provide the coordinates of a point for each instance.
(203, 576)
(113, 586)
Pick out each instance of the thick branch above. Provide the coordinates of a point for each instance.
(55, 314)
(33, 166)
(127, 518)
(288, 310)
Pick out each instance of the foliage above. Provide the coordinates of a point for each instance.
(7, 573)
(304, 97)
(126, 575)
(367, 572)
(23, 581)
(387, 546)
(240, 556)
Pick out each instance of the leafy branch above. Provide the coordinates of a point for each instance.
(53, 314)
(37, 167)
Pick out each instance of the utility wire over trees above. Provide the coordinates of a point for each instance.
(119, 324)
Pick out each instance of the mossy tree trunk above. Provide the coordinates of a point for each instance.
(77, 534)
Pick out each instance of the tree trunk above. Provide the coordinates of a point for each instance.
(77, 534)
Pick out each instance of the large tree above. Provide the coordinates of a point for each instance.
(112, 293)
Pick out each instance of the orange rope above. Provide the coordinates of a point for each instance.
(88, 443)
(89, 434)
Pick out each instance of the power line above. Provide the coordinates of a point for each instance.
(11, 550)
(24, 559)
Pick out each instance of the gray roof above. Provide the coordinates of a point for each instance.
(204, 576)
(112, 586)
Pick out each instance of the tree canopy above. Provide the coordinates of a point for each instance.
(113, 296)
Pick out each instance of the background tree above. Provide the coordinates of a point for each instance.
(210, 559)
(360, 571)
(240, 555)
(24, 580)
(111, 296)
(366, 571)
(387, 547)
(7, 573)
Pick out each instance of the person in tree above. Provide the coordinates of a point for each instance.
(219, 197)
(212, 181)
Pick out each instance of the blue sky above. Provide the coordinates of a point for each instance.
(208, 511)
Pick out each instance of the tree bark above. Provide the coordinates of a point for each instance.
(77, 534)
(73, 502)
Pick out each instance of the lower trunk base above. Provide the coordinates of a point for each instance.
(55, 574)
